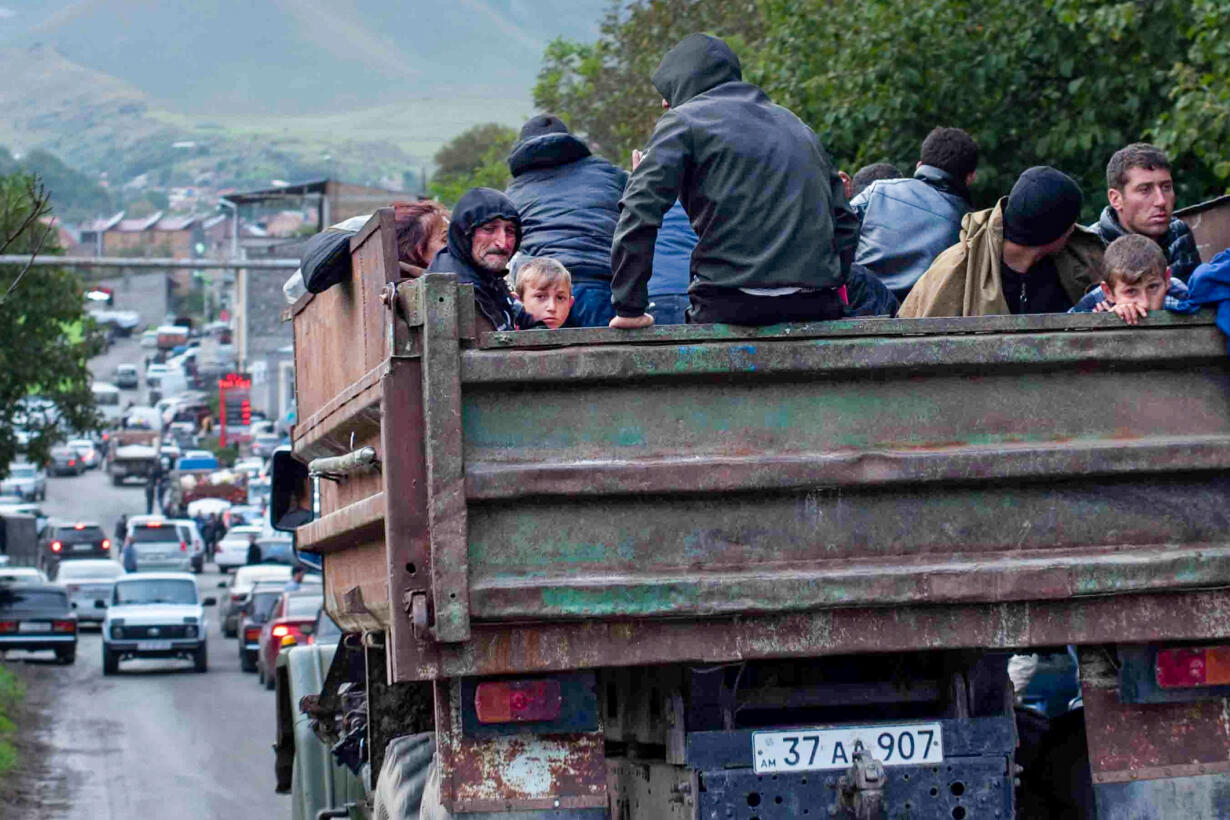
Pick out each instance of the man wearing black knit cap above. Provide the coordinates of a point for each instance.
(1025, 255)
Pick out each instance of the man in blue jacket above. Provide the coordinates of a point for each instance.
(907, 223)
(568, 200)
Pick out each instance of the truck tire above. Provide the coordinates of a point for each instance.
(200, 658)
(110, 661)
(404, 789)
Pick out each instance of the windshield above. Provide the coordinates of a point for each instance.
(154, 535)
(155, 591)
(327, 631)
(72, 570)
(16, 601)
(107, 397)
(303, 606)
(263, 603)
(22, 471)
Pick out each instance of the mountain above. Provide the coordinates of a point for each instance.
(369, 87)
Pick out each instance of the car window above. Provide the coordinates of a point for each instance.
(155, 591)
(15, 600)
(22, 471)
(21, 574)
(72, 535)
(303, 606)
(79, 569)
(327, 630)
(263, 603)
(153, 535)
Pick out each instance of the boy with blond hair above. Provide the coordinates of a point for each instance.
(544, 287)
(1136, 280)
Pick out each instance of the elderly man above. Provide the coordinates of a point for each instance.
(776, 233)
(568, 200)
(1025, 255)
(482, 238)
(1141, 195)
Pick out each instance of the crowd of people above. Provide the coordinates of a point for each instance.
(735, 213)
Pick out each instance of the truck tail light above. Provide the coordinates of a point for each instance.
(8, 626)
(252, 633)
(106, 544)
(56, 546)
(63, 626)
(1193, 666)
(518, 701)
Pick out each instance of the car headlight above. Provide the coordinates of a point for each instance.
(117, 632)
(190, 631)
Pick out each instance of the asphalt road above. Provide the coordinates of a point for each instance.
(158, 740)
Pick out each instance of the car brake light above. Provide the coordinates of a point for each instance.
(252, 633)
(63, 626)
(1193, 666)
(518, 701)
(280, 631)
(183, 546)
(8, 626)
(78, 526)
(154, 524)
(56, 546)
(72, 462)
(106, 544)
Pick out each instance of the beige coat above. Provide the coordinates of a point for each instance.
(965, 279)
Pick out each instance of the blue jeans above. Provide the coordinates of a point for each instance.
(592, 307)
(671, 309)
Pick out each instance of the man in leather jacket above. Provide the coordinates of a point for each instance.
(907, 223)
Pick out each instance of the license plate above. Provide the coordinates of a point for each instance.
(34, 626)
(152, 646)
(819, 749)
(82, 547)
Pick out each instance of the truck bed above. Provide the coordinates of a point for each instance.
(580, 498)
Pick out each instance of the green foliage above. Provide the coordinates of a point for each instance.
(602, 89)
(41, 351)
(75, 196)
(475, 158)
(12, 692)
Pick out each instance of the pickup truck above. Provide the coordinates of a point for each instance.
(715, 571)
(133, 454)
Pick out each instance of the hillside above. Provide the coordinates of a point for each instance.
(284, 88)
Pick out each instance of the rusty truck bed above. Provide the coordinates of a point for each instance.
(580, 498)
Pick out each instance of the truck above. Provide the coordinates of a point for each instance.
(132, 453)
(172, 336)
(189, 483)
(708, 571)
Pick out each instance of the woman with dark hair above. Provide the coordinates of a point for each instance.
(422, 230)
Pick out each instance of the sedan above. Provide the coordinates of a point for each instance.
(240, 589)
(38, 617)
(66, 461)
(25, 481)
(253, 615)
(293, 617)
(232, 550)
(87, 581)
(126, 377)
(86, 451)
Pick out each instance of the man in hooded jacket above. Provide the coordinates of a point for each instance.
(568, 200)
(776, 233)
(484, 263)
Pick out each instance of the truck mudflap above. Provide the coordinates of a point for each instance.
(974, 779)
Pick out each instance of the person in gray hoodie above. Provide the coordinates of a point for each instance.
(776, 233)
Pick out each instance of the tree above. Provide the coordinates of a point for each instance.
(46, 339)
(477, 157)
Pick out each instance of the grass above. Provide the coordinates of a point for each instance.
(12, 692)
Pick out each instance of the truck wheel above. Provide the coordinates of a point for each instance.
(111, 661)
(200, 659)
(408, 785)
(66, 656)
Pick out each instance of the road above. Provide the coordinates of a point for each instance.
(158, 740)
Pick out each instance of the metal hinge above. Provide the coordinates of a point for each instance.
(416, 609)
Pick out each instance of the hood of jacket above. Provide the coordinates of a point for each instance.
(546, 151)
(696, 64)
(478, 206)
(966, 280)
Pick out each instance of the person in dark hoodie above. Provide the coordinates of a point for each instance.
(776, 233)
(482, 238)
(568, 200)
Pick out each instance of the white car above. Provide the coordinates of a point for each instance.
(86, 451)
(155, 615)
(240, 587)
(23, 575)
(86, 581)
(149, 339)
(161, 544)
(232, 550)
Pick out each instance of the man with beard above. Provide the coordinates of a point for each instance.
(482, 238)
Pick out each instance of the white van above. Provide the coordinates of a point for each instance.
(107, 397)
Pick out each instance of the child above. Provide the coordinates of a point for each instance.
(1136, 281)
(544, 287)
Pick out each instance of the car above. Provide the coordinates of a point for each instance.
(277, 548)
(86, 581)
(59, 541)
(232, 550)
(240, 588)
(264, 444)
(30, 508)
(326, 632)
(37, 617)
(293, 616)
(126, 377)
(191, 533)
(86, 451)
(154, 615)
(26, 481)
(252, 616)
(22, 575)
(149, 339)
(243, 514)
(161, 545)
(65, 461)
(250, 466)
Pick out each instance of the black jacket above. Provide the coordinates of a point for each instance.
(569, 203)
(755, 181)
(495, 302)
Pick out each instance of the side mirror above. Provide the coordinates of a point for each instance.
(210, 601)
(291, 490)
(99, 603)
